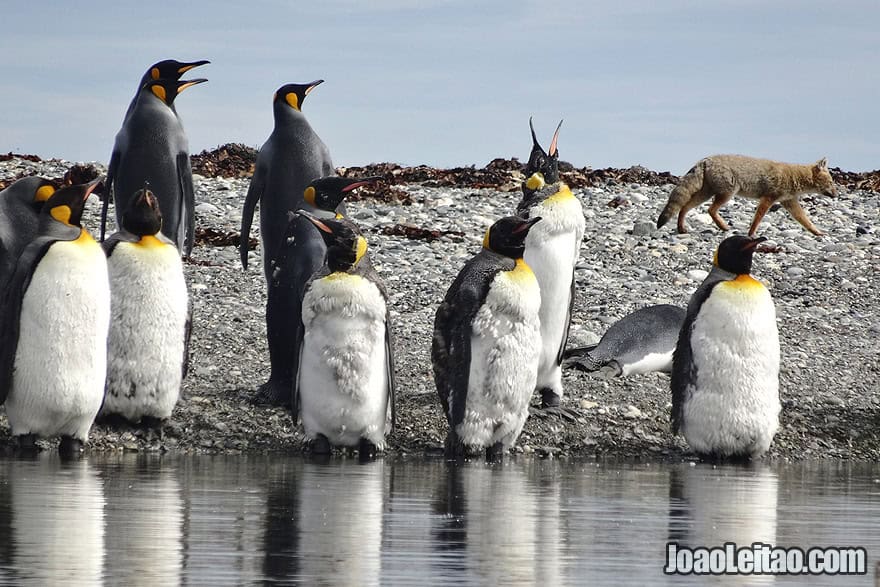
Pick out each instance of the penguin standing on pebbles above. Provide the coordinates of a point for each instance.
(20, 205)
(53, 328)
(486, 343)
(152, 147)
(345, 385)
(146, 348)
(291, 157)
(725, 369)
(552, 250)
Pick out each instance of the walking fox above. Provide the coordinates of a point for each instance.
(723, 176)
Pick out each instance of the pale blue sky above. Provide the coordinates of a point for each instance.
(450, 82)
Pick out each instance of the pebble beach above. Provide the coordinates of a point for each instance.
(420, 233)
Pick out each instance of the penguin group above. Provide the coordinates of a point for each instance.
(91, 328)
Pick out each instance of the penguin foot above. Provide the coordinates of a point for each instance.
(70, 447)
(274, 393)
(549, 399)
(366, 450)
(26, 444)
(114, 421)
(321, 445)
(495, 453)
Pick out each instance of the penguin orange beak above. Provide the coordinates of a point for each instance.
(752, 244)
(552, 150)
(314, 220)
(526, 225)
(184, 67)
(362, 182)
(96, 186)
(184, 84)
(312, 86)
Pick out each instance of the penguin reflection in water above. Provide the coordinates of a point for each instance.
(725, 369)
(146, 348)
(344, 389)
(486, 344)
(53, 332)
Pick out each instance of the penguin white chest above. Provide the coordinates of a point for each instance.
(733, 406)
(343, 372)
(145, 349)
(505, 341)
(61, 358)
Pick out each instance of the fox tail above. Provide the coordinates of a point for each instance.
(687, 186)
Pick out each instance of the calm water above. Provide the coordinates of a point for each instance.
(140, 520)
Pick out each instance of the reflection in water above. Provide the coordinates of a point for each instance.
(144, 514)
(281, 537)
(53, 516)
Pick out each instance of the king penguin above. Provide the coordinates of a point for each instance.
(725, 369)
(167, 69)
(146, 347)
(486, 343)
(640, 342)
(552, 250)
(151, 147)
(344, 389)
(20, 205)
(55, 318)
(291, 157)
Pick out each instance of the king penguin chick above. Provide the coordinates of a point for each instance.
(53, 335)
(725, 369)
(146, 348)
(152, 148)
(552, 251)
(486, 343)
(291, 157)
(20, 205)
(170, 69)
(640, 342)
(345, 387)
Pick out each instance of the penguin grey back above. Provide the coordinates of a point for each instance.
(20, 205)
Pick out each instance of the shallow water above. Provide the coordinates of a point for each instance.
(229, 520)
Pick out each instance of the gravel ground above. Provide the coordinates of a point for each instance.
(825, 291)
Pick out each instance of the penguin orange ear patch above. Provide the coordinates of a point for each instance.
(292, 99)
(61, 213)
(309, 195)
(44, 193)
(154, 73)
(159, 92)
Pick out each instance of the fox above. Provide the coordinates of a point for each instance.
(723, 176)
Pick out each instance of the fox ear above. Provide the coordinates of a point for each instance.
(822, 163)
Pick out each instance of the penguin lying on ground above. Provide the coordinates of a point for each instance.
(168, 69)
(53, 328)
(640, 342)
(152, 148)
(291, 157)
(146, 348)
(552, 250)
(20, 205)
(486, 343)
(345, 385)
(725, 369)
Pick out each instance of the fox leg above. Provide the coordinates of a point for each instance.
(720, 200)
(797, 211)
(696, 199)
(763, 205)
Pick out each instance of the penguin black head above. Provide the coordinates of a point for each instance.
(167, 89)
(734, 254)
(507, 236)
(170, 69)
(345, 244)
(295, 94)
(67, 204)
(326, 193)
(32, 191)
(545, 163)
(142, 216)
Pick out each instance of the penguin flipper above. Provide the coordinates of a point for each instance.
(389, 371)
(108, 191)
(120, 236)
(294, 399)
(187, 334)
(561, 352)
(186, 214)
(254, 195)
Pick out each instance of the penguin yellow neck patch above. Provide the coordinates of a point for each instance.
(536, 181)
(562, 195)
(85, 238)
(521, 271)
(292, 99)
(149, 241)
(61, 214)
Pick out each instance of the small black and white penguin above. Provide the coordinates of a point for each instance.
(152, 148)
(165, 69)
(146, 347)
(53, 336)
(552, 251)
(486, 343)
(344, 390)
(640, 342)
(725, 369)
(291, 157)
(20, 205)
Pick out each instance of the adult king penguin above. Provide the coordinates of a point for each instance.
(291, 157)
(345, 385)
(152, 148)
(146, 348)
(552, 250)
(486, 343)
(53, 336)
(167, 69)
(725, 369)
(20, 205)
